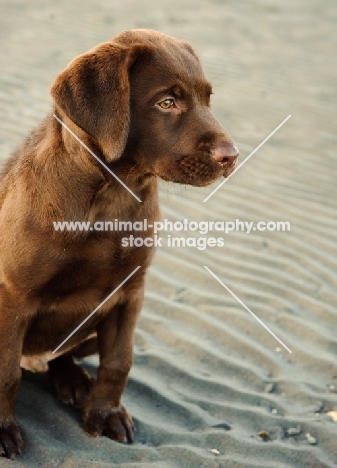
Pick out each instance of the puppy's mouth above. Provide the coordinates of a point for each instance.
(197, 171)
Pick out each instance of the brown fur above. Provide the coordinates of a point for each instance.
(49, 280)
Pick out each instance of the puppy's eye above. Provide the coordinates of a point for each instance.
(166, 104)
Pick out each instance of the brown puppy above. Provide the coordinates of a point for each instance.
(141, 103)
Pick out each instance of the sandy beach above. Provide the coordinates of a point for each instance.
(210, 386)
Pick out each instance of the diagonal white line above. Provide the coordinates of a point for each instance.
(94, 311)
(96, 157)
(248, 310)
(248, 157)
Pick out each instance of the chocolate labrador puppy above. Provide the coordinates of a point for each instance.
(141, 104)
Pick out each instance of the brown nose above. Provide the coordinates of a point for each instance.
(225, 153)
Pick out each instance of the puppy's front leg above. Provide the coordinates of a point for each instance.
(11, 339)
(103, 412)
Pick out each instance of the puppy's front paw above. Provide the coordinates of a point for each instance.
(11, 442)
(115, 423)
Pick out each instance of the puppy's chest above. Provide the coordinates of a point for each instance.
(102, 257)
(97, 263)
(112, 203)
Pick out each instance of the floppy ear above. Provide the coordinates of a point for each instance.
(94, 92)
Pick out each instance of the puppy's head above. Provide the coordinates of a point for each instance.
(144, 96)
